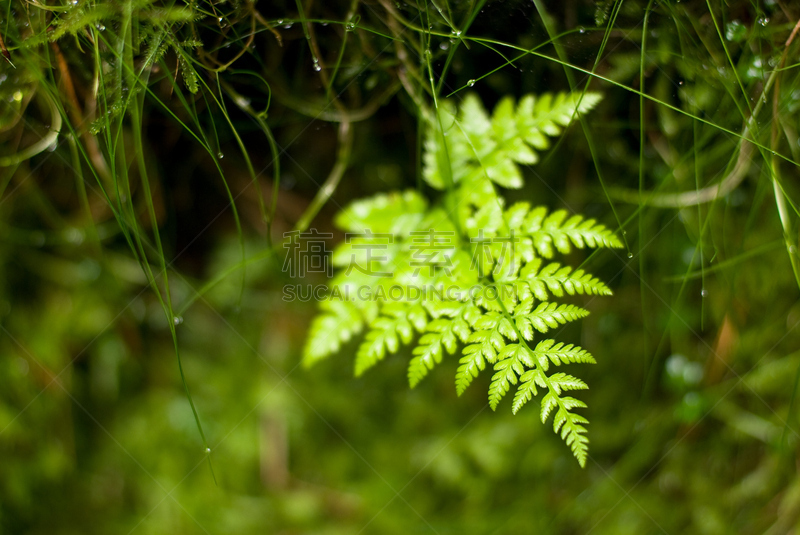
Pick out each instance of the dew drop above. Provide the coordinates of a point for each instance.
(241, 101)
(208, 450)
(703, 293)
(220, 155)
(624, 232)
(74, 235)
(287, 26)
(680, 83)
(444, 45)
(317, 66)
(630, 255)
(581, 30)
(792, 249)
(177, 320)
(763, 21)
(349, 26)
(471, 83)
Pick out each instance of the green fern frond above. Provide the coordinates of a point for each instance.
(572, 432)
(479, 147)
(557, 280)
(552, 231)
(544, 116)
(510, 364)
(472, 241)
(527, 388)
(397, 213)
(487, 342)
(341, 321)
(429, 351)
(388, 332)
(471, 365)
(560, 353)
(549, 315)
(562, 381)
(442, 334)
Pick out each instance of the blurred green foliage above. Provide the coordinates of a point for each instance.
(692, 401)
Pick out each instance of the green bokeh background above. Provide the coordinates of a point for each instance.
(694, 425)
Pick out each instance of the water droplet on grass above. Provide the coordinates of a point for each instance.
(630, 255)
(471, 83)
(735, 31)
(74, 235)
(177, 320)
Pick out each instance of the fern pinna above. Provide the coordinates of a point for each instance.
(470, 271)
